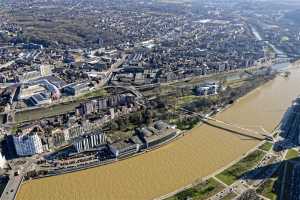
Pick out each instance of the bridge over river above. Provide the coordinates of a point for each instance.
(251, 132)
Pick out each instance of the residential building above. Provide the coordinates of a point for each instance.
(28, 76)
(88, 142)
(27, 145)
(2, 161)
(45, 70)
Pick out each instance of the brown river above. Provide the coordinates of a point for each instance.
(201, 152)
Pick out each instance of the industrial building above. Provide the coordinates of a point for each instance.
(75, 89)
(40, 99)
(27, 90)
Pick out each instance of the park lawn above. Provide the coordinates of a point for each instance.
(96, 93)
(200, 191)
(267, 189)
(187, 124)
(186, 99)
(234, 172)
(266, 146)
(291, 154)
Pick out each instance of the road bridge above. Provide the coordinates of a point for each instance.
(129, 88)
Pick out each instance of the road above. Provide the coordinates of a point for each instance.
(7, 64)
(258, 66)
(14, 182)
(245, 183)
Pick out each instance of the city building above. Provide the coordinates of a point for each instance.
(77, 88)
(28, 145)
(124, 148)
(88, 142)
(45, 70)
(2, 161)
(40, 99)
(28, 76)
(97, 105)
(207, 89)
(59, 138)
(26, 91)
(157, 134)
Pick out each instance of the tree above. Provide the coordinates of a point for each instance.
(136, 118)
(149, 116)
(113, 126)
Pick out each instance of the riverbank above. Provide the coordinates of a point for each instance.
(262, 146)
(203, 180)
(219, 108)
(201, 152)
(109, 161)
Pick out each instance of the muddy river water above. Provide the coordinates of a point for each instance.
(199, 153)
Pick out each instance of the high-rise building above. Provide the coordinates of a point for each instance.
(45, 70)
(2, 161)
(87, 142)
(27, 145)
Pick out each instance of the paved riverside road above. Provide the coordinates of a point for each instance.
(12, 187)
(14, 182)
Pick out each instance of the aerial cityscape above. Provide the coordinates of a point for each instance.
(149, 99)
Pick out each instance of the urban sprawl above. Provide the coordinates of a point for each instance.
(88, 82)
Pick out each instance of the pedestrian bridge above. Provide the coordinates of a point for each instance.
(234, 128)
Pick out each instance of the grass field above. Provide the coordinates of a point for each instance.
(267, 189)
(266, 146)
(233, 173)
(200, 191)
(292, 153)
(97, 93)
(186, 99)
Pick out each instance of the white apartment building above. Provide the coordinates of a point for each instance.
(27, 145)
(2, 161)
